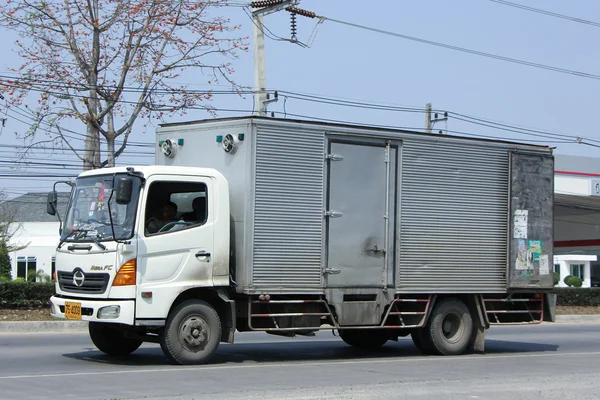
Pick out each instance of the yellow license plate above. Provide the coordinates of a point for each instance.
(72, 310)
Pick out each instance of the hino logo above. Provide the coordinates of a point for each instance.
(78, 278)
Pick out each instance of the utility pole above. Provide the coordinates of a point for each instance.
(430, 121)
(265, 7)
(428, 118)
(260, 76)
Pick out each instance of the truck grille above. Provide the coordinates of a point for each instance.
(92, 283)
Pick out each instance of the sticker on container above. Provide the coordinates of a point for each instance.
(534, 249)
(520, 224)
(544, 265)
(522, 255)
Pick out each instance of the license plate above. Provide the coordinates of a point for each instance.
(72, 310)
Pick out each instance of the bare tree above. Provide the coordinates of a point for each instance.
(107, 63)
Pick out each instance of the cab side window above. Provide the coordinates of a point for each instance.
(173, 206)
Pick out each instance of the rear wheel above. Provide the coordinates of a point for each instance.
(365, 338)
(110, 339)
(192, 333)
(450, 327)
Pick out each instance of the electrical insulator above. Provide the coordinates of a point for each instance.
(299, 11)
(265, 3)
(293, 26)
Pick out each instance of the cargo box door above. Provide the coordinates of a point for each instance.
(530, 263)
(360, 177)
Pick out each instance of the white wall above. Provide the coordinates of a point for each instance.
(572, 184)
(565, 262)
(41, 239)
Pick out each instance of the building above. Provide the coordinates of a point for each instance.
(577, 218)
(35, 229)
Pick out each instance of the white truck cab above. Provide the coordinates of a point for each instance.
(120, 261)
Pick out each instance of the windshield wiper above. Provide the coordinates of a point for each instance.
(77, 233)
(62, 241)
(97, 243)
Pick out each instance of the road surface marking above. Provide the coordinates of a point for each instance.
(329, 363)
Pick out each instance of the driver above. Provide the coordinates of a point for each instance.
(168, 215)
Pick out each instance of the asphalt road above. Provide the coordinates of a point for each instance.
(551, 361)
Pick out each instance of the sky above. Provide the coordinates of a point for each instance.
(347, 63)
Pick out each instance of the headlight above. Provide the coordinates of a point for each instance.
(109, 312)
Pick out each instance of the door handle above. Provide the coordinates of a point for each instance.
(202, 253)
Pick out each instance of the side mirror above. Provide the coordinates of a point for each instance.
(124, 189)
(51, 203)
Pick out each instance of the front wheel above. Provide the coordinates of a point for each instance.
(365, 338)
(192, 333)
(110, 339)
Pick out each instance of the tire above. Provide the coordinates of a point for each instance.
(422, 340)
(111, 340)
(365, 338)
(192, 333)
(450, 327)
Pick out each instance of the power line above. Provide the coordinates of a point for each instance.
(469, 51)
(550, 13)
(457, 116)
(420, 129)
(6, 146)
(38, 83)
(23, 114)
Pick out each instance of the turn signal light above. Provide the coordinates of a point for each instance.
(126, 274)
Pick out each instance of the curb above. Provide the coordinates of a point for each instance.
(42, 326)
(578, 319)
(81, 326)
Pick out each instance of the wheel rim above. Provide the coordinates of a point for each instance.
(194, 333)
(452, 327)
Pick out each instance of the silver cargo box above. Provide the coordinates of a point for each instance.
(319, 206)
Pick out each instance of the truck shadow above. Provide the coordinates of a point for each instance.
(301, 351)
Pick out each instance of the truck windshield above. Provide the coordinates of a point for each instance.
(87, 216)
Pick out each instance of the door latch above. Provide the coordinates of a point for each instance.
(332, 271)
(376, 249)
(334, 157)
(332, 214)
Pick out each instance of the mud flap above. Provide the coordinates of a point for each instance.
(229, 322)
(480, 325)
(550, 307)
(477, 343)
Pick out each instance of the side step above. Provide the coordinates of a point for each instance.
(302, 316)
(514, 309)
(299, 316)
(408, 312)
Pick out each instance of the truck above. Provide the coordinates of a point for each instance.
(293, 226)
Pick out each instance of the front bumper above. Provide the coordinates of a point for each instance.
(91, 307)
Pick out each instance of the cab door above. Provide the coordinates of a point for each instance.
(178, 256)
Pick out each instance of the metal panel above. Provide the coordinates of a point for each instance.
(531, 233)
(288, 208)
(454, 213)
(357, 239)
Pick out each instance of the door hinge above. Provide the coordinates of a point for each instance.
(332, 271)
(334, 157)
(332, 214)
